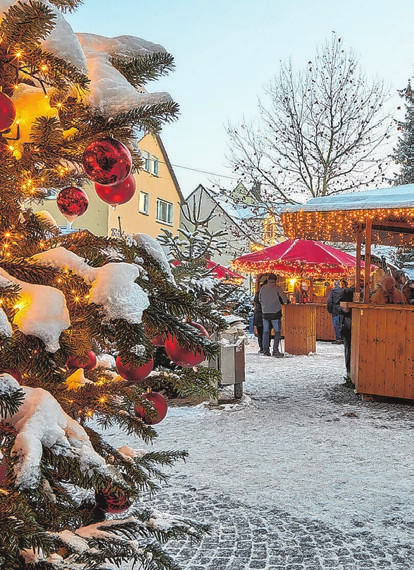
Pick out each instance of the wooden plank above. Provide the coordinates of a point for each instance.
(400, 349)
(355, 348)
(408, 358)
(383, 350)
(324, 326)
(300, 329)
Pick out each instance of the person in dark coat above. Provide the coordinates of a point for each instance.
(346, 329)
(334, 308)
(258, 317)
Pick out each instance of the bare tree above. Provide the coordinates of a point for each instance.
(320, 133)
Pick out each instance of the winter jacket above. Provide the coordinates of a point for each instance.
(270, 296)
(333, 303)
(257, 315)
(380, 297)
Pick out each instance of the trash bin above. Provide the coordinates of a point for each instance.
(231, 359)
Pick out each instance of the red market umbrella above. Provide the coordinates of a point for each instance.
(298, 257)
(219, 271)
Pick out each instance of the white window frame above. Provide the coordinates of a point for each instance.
(165, 212)
(143, 205)
(147, 160)
(155, 165)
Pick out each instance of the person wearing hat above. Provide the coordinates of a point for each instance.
(271, 298)
(302, 294)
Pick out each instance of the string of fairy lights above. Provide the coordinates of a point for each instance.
(342, 225)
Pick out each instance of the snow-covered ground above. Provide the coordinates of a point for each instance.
(301, 441)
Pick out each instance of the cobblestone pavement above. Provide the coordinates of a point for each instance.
(243, 537)
(301, 475)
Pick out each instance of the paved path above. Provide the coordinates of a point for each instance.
(301, 475)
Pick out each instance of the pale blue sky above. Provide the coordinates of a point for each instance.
(226, 51)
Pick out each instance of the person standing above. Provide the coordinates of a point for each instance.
(302, 294)
(258, 317)
(271, 298)
(334, 308)
(387, 293)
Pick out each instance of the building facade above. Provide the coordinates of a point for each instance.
(155, 204)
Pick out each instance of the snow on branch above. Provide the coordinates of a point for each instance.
(40, 421)
(113, 285)
(32, 318)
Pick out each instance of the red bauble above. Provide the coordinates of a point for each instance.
(3, 468)
(112, 503)
(134, 373)
(87, 362)
(72, 202)
(13, 372)
(7, 112)
(158, 340)
(160, 405)
(117, 193)
(107, 161)
(181, 355)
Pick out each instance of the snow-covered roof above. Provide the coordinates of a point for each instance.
(389, 198)
(337, 218)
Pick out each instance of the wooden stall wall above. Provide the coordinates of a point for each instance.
(299, 326)
(382, 350)
(324, 326)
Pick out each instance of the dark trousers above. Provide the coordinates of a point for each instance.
(346, 335)
(260, 336)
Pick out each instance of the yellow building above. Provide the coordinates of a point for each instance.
(155, 204)
(157, 199)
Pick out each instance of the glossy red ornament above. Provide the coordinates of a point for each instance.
(87, 362)
(117, 194)
(180, 354)
(7, 112)
(107, 161)
(72, 202)
(3, 467)
(13, 372)
(112, 502)
(134, 373)
(160, 405)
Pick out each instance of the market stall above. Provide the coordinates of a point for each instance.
(382, 347)
(299, 260)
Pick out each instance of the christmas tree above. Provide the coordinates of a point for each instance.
(404, 157)
(71, 108)
(190, 254)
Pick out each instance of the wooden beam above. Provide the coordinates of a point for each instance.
(367, 273)
(358, 259)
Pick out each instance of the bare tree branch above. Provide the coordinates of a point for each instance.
(319, 133)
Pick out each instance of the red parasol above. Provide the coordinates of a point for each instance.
(298, 257)
(219, 271)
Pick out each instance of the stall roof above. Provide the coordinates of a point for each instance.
(336, 218)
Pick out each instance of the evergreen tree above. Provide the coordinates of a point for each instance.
(64, 488)
(190, 253)
(404, 151)
(404, 157)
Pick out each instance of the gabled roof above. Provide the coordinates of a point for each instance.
(236, 213)
(167, 162)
